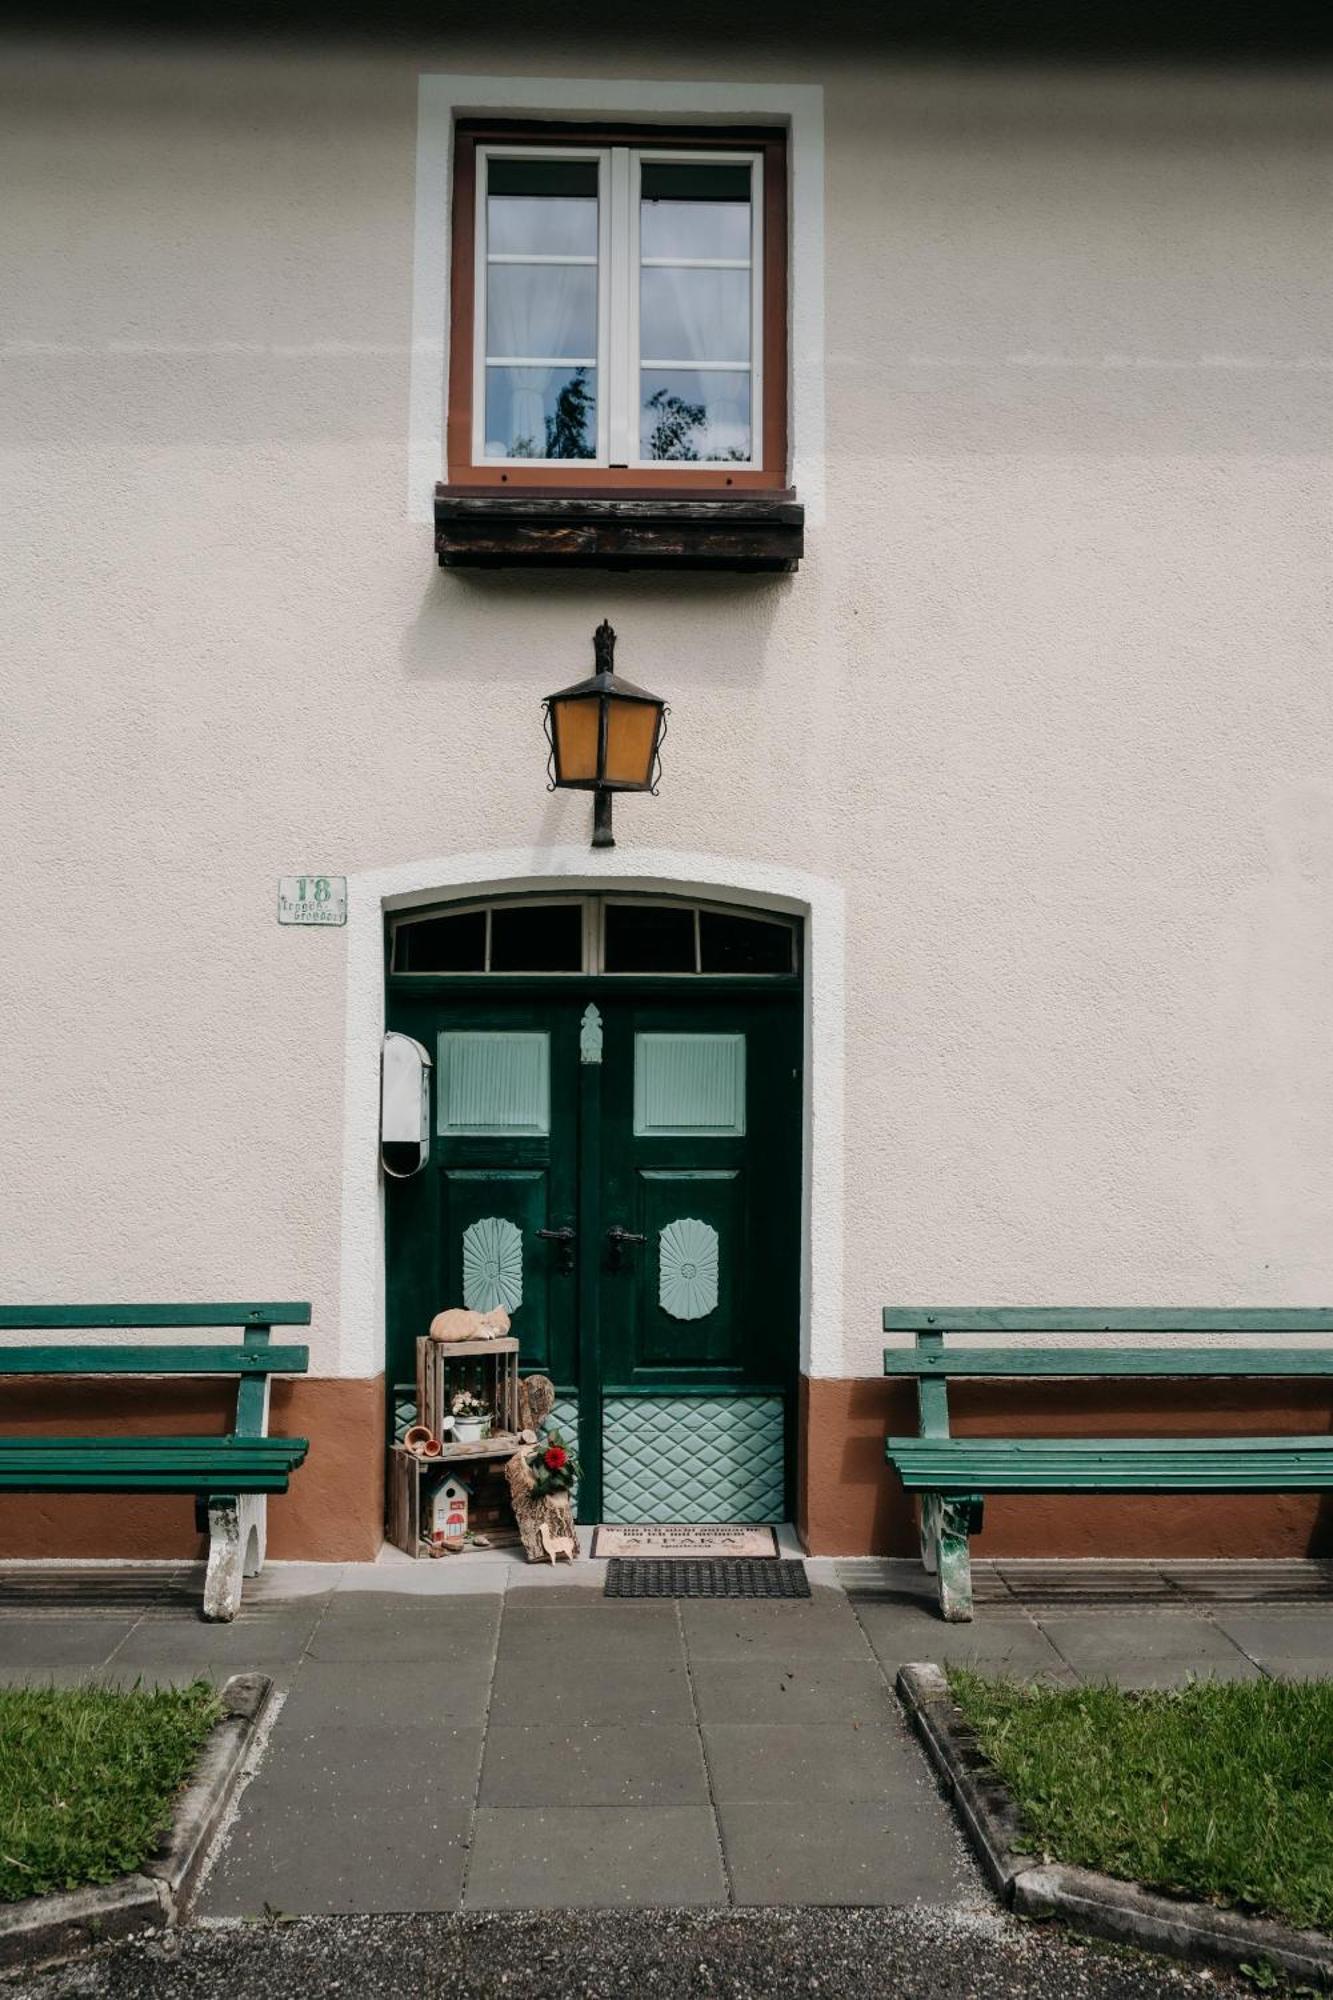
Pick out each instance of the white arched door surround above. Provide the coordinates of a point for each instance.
(374, 892)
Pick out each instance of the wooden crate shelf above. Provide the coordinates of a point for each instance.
(487, 1368)
(407, 1476)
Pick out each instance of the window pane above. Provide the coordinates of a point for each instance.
(691, 315)
(517, 224)
(743, 944)
(442, 944)
(546, 205)
(644, 938)
(695, 180)
(542, 312)
(694, 210)
(541, 412)
(694, 229)
(545, 938)
(694, 414)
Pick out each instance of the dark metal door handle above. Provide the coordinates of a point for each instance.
(564, 1239)
(618, 1238)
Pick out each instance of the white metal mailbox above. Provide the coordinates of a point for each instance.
(404, 1106)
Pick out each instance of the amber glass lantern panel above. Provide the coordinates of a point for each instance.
(576, 730)
(631, 740)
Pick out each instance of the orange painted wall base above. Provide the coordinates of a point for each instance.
(334, 1511)
(852, 1504)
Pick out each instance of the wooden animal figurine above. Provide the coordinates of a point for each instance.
(555, 1545)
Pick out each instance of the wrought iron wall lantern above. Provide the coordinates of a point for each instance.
(605, 736)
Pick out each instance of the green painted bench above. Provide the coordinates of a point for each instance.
(952, 1474)
(230, 1476)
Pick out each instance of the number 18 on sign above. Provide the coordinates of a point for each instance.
(312, 899)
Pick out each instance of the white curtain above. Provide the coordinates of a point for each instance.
(536, 309)
(692, 301)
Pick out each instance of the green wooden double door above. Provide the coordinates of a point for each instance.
(622, 1171)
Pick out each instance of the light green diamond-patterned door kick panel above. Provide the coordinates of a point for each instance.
(492, 1265)
(404, 1409)
(687, 1268)
(692, 1458)
(564, 1418)
(494, 1084)
(689, 1086)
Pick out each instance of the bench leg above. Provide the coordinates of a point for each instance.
(222, 1582)
(945, 1527)
(237, 1540)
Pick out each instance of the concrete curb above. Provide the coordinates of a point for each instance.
(46, 1929)
(1103, 1905)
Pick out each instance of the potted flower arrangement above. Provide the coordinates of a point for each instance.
(554, 1467)
(472, 1417)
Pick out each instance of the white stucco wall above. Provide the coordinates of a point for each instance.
(1047, 705)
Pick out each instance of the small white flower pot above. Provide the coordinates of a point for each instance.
(471, 1430)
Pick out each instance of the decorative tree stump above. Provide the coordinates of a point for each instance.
(552, 1511)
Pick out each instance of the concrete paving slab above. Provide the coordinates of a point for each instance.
(274, 1637)
(334, 1771)
(766, 1690)
(547, 1590)
(370, 1860)
(845, 1853)
(1152, 1650)
(344, 1693)
(598, 1765)
(594, 1857)
(28, 1642)
(630, 1631)
(1298, 1644)
(450, 1576)
(572, 1690)
(725, 1629)
(1002, 1645)
(811, 1762)
(1309, 1632)
(368, 1628)
(587, 1578)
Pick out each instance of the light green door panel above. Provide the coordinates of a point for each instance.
(702, 1458)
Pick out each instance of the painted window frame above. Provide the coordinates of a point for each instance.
(621, 152)
(594, 905)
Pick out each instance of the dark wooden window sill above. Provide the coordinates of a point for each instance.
(477, 529)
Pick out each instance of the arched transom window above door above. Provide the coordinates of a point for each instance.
(595, 934)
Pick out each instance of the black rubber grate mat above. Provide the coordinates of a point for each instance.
(734, 1576)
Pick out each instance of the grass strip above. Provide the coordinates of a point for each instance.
(89, 1777)
(1219, 1790)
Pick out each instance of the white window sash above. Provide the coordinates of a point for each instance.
(618, 361)
(481, 265)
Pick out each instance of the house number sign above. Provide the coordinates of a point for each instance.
(312, 899)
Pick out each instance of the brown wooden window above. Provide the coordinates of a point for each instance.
(619, 310)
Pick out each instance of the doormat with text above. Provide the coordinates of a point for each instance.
(726, 1578)
(683, 1540)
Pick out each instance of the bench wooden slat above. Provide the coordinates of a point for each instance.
(286, 1312)
(1098, 1361)
(199, 1449)
(272, 1479)
(1113, 1465)
(1118, 1319)
(260, 1359)
(1076, 1446)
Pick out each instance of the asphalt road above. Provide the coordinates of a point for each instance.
(909, 1954)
